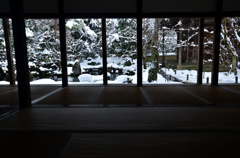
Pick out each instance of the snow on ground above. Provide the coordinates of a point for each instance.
(182, 74)
(116, 62)
(124, 79)
(69, 70)
(85, 78)
(160, 79)
(224, 77)
(4, 83)
(45, 81)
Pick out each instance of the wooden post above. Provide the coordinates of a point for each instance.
(139, 43)
(62, 29)
(6, 28)
(104, 51)
(217, 31)
(18, 24)
(200, 50)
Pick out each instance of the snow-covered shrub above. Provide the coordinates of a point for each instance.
(124, 79)
(151, 75)
(85, 78)
(130, 73)
(128, 63)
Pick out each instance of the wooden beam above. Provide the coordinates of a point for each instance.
(18, 24)
(200, 50)
(104, 51)
(11, 70)
(139, 43)
(62, 29)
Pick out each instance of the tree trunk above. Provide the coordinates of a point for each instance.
(229, 49)
(234, 64)
(154, 51)
(180, 50)
(9, 51)
(163, 51)
(55, 31)
(56, 46)
(144, 48)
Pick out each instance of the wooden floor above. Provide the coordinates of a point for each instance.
(122, 132)
(163, 121)
(147, 95)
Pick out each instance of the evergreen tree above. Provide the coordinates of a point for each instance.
(2, 43)
(84, 37)
(122, 37)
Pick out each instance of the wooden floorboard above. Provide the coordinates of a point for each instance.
(204, 118)
(9, 98)
(214, 94)
(82, 119)
(31, 144)
(7, 89)
(153, 145)
(37, 92)
(192, 130)
(122, 132)
(72, 95)
(6, 109)
(148, 118)
(170, 95)
(236, 88)
(121, 95)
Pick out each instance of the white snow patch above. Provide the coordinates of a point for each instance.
(29, 33)
(90, 32)
(124, 79)
(4, 83)
(46, 52)
(85, 78)
(71, 23)
(115, 37)
(45, 81)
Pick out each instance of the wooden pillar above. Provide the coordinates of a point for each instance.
(18, 24)
(62, 29)
(6, 28)
(104, 51)
(217, 31)
(200, 50)
(139, 43)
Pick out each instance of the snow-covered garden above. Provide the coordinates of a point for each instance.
(170, 51)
